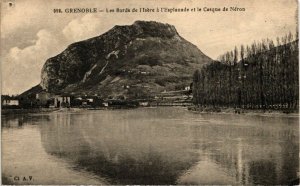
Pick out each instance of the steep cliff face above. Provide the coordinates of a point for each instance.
(136, 60)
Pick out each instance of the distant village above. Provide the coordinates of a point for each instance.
(45, 99)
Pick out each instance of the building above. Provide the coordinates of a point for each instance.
(187, 88)
(105, 104)
(87, 101)
(62, 101)
(10, 102)
(144, 103)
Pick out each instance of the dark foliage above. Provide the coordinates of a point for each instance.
(266, 77)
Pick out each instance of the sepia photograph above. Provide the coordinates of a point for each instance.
(148, 92)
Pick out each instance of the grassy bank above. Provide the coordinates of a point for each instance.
(208, 109)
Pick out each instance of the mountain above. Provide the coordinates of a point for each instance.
(135, 61)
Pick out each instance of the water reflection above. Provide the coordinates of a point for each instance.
(174, 146)
(121, 149)
(266, 153)
(17, 121)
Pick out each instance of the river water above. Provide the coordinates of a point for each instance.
(164, 145)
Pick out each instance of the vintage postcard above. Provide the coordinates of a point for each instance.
(148, 92)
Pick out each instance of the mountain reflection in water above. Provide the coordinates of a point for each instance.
(172, 145)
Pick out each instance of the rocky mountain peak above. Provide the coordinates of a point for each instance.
(145, 54)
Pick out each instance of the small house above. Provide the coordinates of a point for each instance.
(10, 102)
(88, 101)
(144, 103)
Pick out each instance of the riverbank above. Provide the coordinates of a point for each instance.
(5, 112)
(211, 109)
(197, 109)
(26, 111)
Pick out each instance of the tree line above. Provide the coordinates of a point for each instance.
(263, 75)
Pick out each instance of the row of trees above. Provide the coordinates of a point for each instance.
(261, 75)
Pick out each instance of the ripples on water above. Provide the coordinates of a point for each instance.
(150, 146)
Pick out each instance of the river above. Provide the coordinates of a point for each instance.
(164, 145)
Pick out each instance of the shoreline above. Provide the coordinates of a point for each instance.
(230, 110)
(195, 109)
(5, 112)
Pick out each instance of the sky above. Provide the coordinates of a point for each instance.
(31, 33)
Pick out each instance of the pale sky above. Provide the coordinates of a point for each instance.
(31, 33)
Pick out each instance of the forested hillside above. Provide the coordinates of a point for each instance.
(262, 76)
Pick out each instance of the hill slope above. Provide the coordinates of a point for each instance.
(138, 60)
